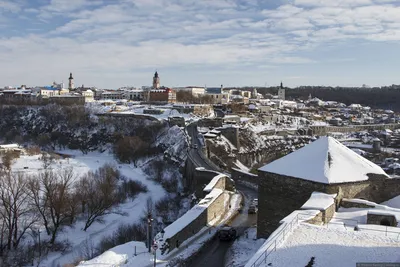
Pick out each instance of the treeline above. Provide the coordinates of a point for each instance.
(53, 200)
(383, 98)
(74, 127)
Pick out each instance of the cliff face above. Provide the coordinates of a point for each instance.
(255, 149)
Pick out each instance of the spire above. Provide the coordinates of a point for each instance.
(156, 75)
(281, 85)
(70, 76)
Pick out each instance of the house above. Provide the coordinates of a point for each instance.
(135, 94)
(196, 91)
(163, 95)
(217, 95)
(324, 166)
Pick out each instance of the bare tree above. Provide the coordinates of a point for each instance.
(98, 192)
(15, 212)
(47, 160)
(52, 196)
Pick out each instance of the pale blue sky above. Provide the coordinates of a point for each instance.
(114, 43)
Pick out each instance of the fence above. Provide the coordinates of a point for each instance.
(347, 223)
(390, 231)
(278, 238)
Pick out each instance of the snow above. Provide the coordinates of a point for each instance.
(243, 248)
(191, 215)
(213, 182)
(288, 224)
(81, 164)
(116, 256)
(9, 146)
(123, 255)
(319, 201)
(209, 135)
(241, 166)
(326, 161)
(333, 247)
(394, 202)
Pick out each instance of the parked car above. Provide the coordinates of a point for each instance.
(227, 233)
(255, 202)
(252, 209)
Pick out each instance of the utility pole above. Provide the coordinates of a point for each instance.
(149, 220)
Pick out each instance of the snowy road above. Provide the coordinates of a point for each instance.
(214, 255)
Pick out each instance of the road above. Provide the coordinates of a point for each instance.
(214, 255)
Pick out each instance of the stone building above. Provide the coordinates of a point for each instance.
(324, 166)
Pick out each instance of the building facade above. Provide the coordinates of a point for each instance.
(163, 95)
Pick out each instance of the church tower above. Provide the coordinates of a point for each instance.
(156, 81)
(281, 92)
(71, 85)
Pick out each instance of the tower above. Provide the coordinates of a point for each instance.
(156, 81)
(71, 85)
(281, 92)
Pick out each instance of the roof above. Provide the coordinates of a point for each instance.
(319, 201)
(326, 161)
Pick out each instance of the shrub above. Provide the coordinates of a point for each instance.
(130, 189)
(33, 150)
(124, 233)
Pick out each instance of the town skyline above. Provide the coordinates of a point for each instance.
(229, 42)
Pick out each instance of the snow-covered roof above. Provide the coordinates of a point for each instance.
(213, 182)
(326, 161)
(319, 201)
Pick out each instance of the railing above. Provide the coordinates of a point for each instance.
(278, 238)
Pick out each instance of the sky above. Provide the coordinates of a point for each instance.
(116, 43)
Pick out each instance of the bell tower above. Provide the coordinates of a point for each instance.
(71, 85)
(156, 81)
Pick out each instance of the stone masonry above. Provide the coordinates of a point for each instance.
(279, 195)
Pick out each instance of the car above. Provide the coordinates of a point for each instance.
(227, 233)
(195, 146)
(252, 209)
(255, 202)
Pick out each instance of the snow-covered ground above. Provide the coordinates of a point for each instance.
(333, 247)
(167, 111)
(243, 248)
(81, 164)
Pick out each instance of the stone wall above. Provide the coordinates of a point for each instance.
(214, 209)
(324, 216)
(232, 134)
(216, 122)
(210, 213)
(240, 176)
(349, 204)
(323, 130)
(381, 219)
(279, 195)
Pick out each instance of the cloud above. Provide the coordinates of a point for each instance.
(105, 37)
(9, 6)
